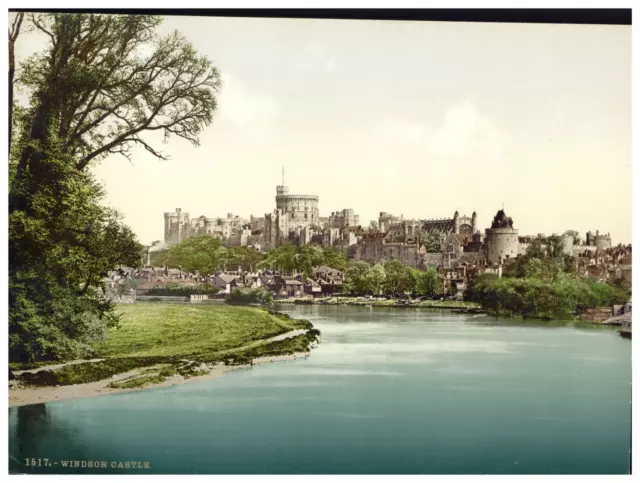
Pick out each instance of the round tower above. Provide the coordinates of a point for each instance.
(501, 239)
(567, 244)
(603, 242)
(474, 223)
(456, 222)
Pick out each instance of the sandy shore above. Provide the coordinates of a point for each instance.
(23, 396)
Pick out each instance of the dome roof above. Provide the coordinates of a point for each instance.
(501, 220)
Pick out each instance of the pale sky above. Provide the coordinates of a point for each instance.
(412, 118)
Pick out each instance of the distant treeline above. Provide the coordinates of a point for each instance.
(546, 288)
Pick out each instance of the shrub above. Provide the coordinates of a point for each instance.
(250, 296)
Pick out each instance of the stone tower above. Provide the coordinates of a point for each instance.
(501, 239)
(474, 223)
(567, 244)
(176, 226)
(456, 222)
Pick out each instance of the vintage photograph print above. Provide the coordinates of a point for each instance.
(253, 244)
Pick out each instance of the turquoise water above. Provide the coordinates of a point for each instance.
(387, 391)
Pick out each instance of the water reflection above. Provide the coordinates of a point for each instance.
(383, 390)
(34, 430)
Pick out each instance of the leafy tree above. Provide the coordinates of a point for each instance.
(59, 257)
(102, 84)
(204, 254)
(250, 296)
(335, 258)
(431, 241)
(355, 280)
(247, 258)
(291, 259)
(398, 278)
(546, 297)
(375, 279)
(427, 282)
(307, 258)
(281, 258)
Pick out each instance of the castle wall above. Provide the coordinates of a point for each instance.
(602, 242)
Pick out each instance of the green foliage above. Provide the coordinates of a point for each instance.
(117, 72)
(61, 247)
(427, 282)
(546, 297)
(335, 258)
(356, 280)
(390, 278)
(203, 254)
(375, 279)
(432, 242)
(151, 335)
(398, 278)
(245, 258)
(93, 91)
(240, 296)
(291, 259)
(86, 371)
(281, 258)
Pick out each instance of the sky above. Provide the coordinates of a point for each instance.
(413, 118)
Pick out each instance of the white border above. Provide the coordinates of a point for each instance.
(309, 4)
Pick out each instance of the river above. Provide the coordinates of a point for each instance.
(387, 391)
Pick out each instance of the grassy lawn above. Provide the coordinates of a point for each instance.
(165, 337)
(184, 330)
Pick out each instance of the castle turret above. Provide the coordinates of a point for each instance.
(501, 239)
(567, 244)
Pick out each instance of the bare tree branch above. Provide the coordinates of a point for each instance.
(13, 36)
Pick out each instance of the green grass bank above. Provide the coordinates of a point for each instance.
(161, 340)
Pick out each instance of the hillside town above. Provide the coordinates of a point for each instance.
(455, 247)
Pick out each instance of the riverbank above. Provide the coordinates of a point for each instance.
(162, 345)
(377, 302)
(25, 395)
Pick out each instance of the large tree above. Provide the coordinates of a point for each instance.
(356, 281)
(101, 85)
(105, 81)
(398, 278)
(204, 254)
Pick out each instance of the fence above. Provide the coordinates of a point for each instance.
(171, 299)
(598, 314)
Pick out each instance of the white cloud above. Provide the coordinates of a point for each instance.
(316, 60)
(465, 132)
(243, 107)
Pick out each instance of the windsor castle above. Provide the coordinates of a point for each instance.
(296, 219)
